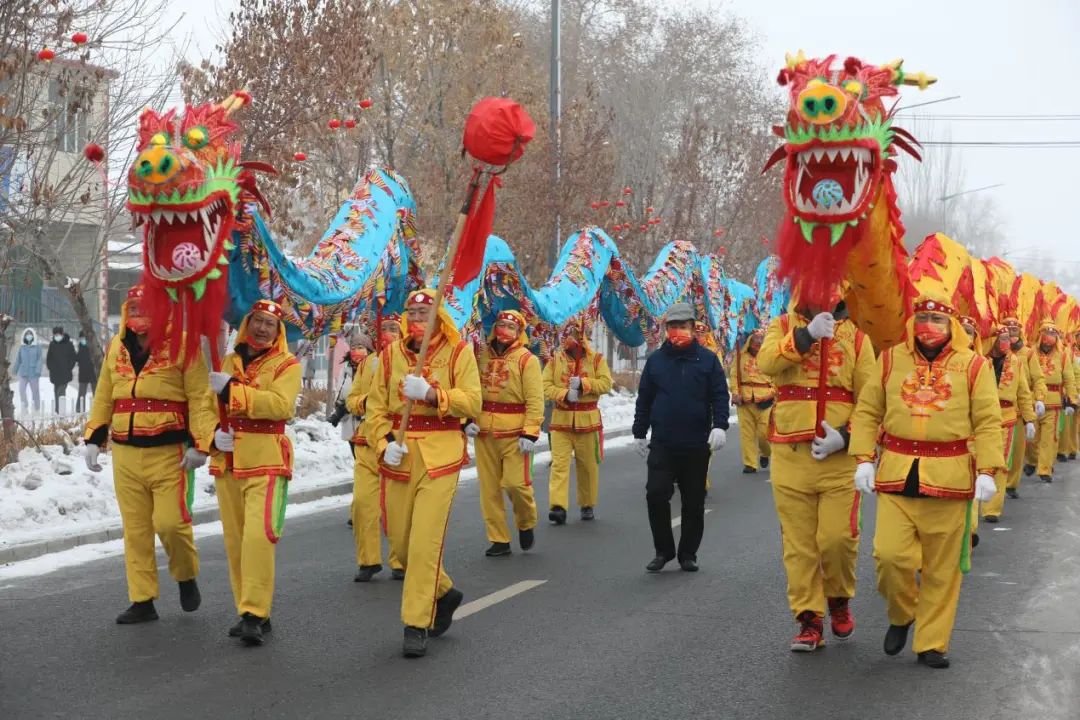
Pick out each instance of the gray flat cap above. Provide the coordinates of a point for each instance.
(679, 311)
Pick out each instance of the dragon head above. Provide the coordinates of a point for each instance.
(839, 146)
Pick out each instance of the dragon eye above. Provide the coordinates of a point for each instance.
(159, 139)
(196, 138)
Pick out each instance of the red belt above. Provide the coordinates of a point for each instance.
(763, 385)
(262, 427)
(924, 448)
(797, 392)
(579, 406)
(129, 405)
(1006, 403)
(1053, 388)
(501, 407)
(429, 422)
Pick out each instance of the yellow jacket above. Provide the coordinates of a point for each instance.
(1014, 392)
(583, 415)
(804, 397)
(435, 427)
(1057, 372)
(356, 402)
(116, 403)
(1034, 372)
(952, 400)
(513, 392)
(748, 382)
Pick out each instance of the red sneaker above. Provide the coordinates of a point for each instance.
(811, 630)
(843, 624)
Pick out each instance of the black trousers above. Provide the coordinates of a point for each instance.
(687, 468)
(59, 390)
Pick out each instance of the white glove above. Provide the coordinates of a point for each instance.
(1029, 431)
(833, 441)
(91, 457)
(1040, 408)
(985, 488)
(822, 326)
(193, 459)
(641, 447)
(224, 441)
(575, 383)
(717, 439)
(525, 445)
(864, 477)
(572, 395)
(415, 388)
(472, 429)
(218, 381)
(1069, 410)
(393, 453)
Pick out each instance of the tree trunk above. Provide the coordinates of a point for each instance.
(7, 398)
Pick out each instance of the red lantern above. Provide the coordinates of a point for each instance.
(299, 156)
(722, 250)
(334, 124)
(594, 205)
(649, 210)
(365, 103)
(627, 191)
(94, 152)
(764, 240)
(644, 228)
(620, 203)
(45, 54)
(604, 203)
(718, 232)
(80, 38)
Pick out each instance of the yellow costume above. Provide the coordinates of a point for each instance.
(1068, 445)
(937, 421)
(576, 426)
(1057, 371)
(252, 480)
(1039, 391)
(513, 408)
(1017, 409)
(818, 509)
(754, 394)
(155, 409)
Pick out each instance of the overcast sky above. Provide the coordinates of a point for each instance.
(1002, 57)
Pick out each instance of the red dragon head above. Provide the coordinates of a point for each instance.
(840, 144)
(185, 188)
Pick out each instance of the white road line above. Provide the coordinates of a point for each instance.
(496, 597)
(678, 521)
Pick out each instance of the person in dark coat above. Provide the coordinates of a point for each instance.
(683, 397)
(60, 360)
(87, 372)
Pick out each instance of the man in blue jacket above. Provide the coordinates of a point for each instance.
(683, 397)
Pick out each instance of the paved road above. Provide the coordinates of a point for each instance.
(598, 638)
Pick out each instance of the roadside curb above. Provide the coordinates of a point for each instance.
(28, 551)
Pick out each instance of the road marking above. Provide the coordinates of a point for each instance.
(678, 521)
(496, 597)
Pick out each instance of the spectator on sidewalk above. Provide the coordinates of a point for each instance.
(60, 360)
(27, 369)
(87, 372)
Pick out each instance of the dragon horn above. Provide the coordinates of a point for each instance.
(234, 102)
(920, 78)
(793, 61)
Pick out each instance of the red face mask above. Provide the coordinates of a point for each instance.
(930, 335)
(417, 330)
(139, 325)
(387, 338)
(1048, 339)
(505, 335)
(570, 343)
(1004, 343)
(679, 337)
(358, 355)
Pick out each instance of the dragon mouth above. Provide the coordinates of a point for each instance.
(182, 241)
(832, 182)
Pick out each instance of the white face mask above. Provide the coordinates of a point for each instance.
(57, 338)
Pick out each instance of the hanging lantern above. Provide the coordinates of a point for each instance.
(604, 203)
(620, 203)
(334, 124)
(644, 228)
(350, 123)
(45, 54)
(80, 38)
(365, 103)
(649, 210)
(718, 232)
(722, 250)
(627, 191)
(299, 156)
(94, 152)
(594, 205)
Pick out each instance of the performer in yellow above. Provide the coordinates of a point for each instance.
(1057, 370)
(1037, 383)
(507, 430)
(574, 380)
(1068, 445)
(162, 423)
(705, 337)
(753, 394)
(420, 472)
(1017, 406)
(819, 363)
(367, 483)
(932, 405)
(253, 460)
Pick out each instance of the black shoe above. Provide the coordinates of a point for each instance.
(896, 638)
(364, 573)
(763, 461)
(415, 642)
(349, 522)
(991, 519)
(1029, 470)
(526, 538)
(1012, 493)
(557, 515)
(934, 659)
(974, 540)
(498, 550)
(1072, 456)
(444, 611)
(747, 470)
(657, 563)
(238, 628)
(397, 573)
(251, 629)
(688, 564)
(587, 514)
(190, 599)
(138, 612)
(1061, 457)
(1046, 478)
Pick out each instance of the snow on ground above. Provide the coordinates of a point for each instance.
(48, 497)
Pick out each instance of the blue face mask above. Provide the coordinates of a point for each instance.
(82, 341)
(28, 339)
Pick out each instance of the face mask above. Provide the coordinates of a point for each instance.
(28, 339)
(82, 341)
(358, 355)
(1004, 344)
(387, 338)
(930, 335)
(139, 325)
(1048, 339)
(417, 329)
(57, 338)
(570, 343)
(505, 335)
(679, 337)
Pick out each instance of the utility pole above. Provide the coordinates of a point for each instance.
(555, 111)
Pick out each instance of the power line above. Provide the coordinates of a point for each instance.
(998, 118)
(1003, 143)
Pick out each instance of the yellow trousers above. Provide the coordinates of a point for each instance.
(367, 509)
(417, 513)
(1068, 438)
(154, 494)
(920, 537)
(252, 519)
(754, 433)
(1046, 441)
(1019, 458)
(819, 524)
(1014, 449)
(502, 467)
(588, 451)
